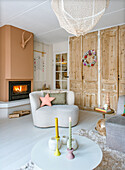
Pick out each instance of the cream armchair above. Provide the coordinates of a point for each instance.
(45, 116)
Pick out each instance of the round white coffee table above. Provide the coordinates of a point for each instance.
(87, 157)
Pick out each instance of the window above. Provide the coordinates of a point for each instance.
(61, 71)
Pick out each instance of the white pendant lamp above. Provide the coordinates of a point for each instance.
(78, 17)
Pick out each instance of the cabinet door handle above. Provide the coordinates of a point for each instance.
(82, 77)
(118, 77)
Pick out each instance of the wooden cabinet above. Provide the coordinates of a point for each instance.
(75, 68)
(90, 74)
(109, 65)
(112, 58)
(121, 60)
(83, 79)
(91, 84)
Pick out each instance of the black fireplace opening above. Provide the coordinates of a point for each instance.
(19, 90)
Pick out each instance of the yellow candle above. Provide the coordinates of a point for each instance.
(56, 127)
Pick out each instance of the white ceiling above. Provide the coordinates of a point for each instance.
(38, 17)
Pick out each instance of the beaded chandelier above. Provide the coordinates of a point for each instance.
(78, 17)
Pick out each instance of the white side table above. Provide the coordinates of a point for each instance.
(87, 157)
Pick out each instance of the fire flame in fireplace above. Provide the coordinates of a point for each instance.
(20, 88)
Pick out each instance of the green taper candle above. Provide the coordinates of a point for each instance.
(70, 133)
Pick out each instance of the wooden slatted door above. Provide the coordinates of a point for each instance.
(90, 74)
(122, 60)
(109, 65)
(75, 68)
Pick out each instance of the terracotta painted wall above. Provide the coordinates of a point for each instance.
(17, 57)
(2, 65)
(21, 59)
(15, 62)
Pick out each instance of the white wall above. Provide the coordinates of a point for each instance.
(45, 76)
(60, 47)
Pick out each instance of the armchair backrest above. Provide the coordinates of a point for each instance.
(70, 95)
(35, 98)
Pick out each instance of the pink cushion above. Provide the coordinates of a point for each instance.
(46, 100)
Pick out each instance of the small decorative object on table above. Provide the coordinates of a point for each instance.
(57, 152)
(53, 143)
(108, 100)
(106, 107)
(64, 140)
(124, 111)
(103, 111)
(70, 154)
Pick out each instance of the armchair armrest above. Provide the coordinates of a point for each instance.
(34, 100)
(70, 98)
(121, 102)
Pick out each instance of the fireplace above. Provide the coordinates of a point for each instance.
(19, 90)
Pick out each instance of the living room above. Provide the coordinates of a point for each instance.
(62, 84)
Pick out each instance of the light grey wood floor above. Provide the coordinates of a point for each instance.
(18, 136)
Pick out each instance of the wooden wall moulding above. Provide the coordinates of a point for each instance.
(121, 76)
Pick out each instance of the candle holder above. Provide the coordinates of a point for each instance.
(53, 143)
(70, 154)
(57, 152)
(74, 144)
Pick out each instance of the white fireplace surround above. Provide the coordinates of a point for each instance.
(7, 108)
